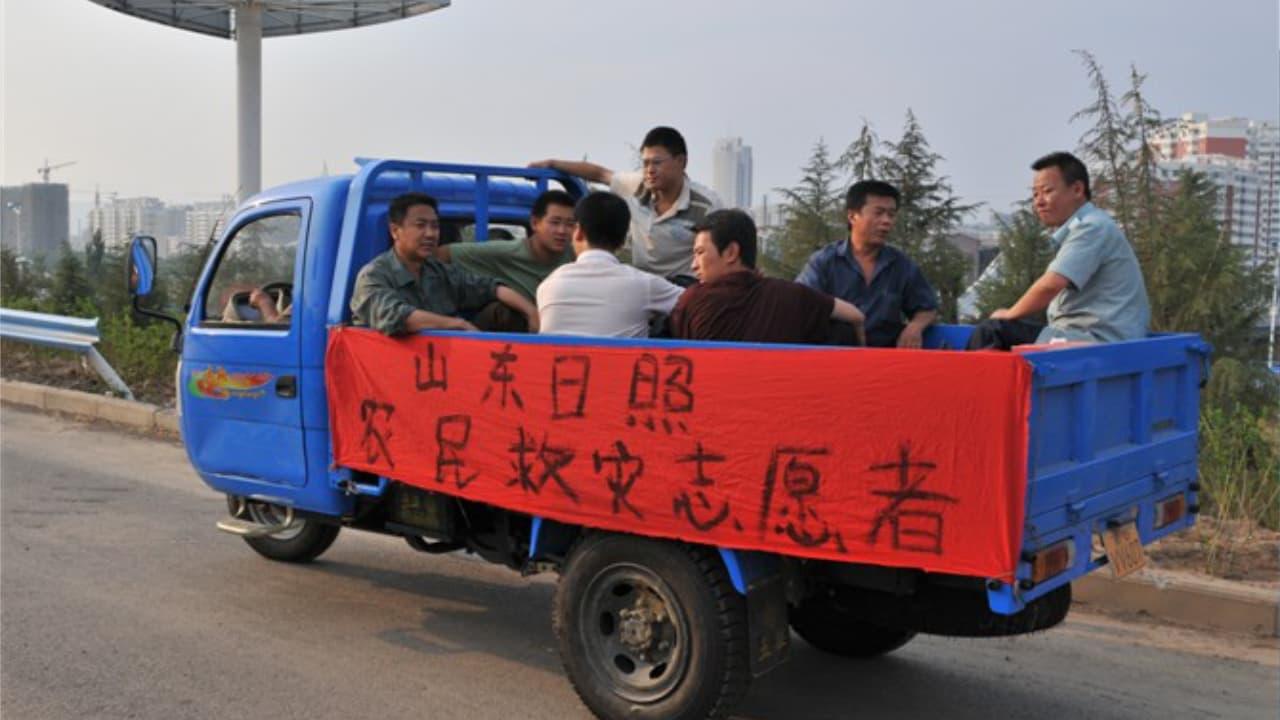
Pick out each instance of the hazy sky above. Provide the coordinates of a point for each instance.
(148, 110)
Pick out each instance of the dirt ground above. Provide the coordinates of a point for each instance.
(1231, 550)
(65, 369)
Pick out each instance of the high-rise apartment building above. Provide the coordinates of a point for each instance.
(731, 172)
(121, 218)
(1242, 159)
(34, 218)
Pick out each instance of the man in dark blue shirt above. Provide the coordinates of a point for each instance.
(880, 280)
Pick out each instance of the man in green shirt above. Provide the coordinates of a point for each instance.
(405, 289)
(522, 264)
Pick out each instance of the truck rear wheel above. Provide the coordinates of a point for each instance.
(302, 543)
(825, 624)
(651, 629)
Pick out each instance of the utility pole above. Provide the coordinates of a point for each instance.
(1275, 306)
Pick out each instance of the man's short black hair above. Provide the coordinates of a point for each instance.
(1073, 171)
(666, 137)
(549, 198)
(861, 190)
(400, 205)
(604, 219)
(731, 226)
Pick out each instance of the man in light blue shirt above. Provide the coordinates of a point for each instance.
(1093, 289)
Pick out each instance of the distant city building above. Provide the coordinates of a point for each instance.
(171, 225)
(34, 218)
(121, 218)
(205, 220)
(731, 172)
(1242, 159)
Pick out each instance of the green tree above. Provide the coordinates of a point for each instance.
(928, 211)
(1025, 252)
(14, 283)
(811, 215)
(70, 293)
(181, 271)
(93, 253)
(109, 282)
(39, 280)
(1235, 386)
(1142, 120)
(1106, 145)
(860, 158)
(1196, 279)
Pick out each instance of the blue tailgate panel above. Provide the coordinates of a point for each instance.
(1113, 432)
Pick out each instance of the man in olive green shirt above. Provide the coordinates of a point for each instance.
(406, 289)
(522, 264)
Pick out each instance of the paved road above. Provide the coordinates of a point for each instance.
(119, 599)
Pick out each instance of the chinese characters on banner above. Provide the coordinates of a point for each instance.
(911, 459)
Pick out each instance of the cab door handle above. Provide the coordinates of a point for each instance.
(287, 386)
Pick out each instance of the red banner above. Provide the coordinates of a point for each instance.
(892, 457)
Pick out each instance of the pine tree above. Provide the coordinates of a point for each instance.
(1142, 120)
(111, 282)
(1025, 252)
(1105, 146)
(860, 158)
(70, 293)
(1196, 279)
(14, 284)
(811, 215)
(927, 212)
(93, 253)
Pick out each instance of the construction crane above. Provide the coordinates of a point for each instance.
(47, 168)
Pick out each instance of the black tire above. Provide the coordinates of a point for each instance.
(826, 625)
(300, 546)
(651, 630)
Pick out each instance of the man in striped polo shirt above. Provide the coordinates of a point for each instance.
(665, 204)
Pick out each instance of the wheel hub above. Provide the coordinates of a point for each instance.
(636, 629)
(637, 634)
(643, 628)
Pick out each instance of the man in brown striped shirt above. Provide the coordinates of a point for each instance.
(735, 302)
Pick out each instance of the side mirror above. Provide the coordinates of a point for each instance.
(142, 265)
(142, 280)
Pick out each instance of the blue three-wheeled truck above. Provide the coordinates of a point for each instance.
(650, 625)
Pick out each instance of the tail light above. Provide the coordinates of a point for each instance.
(1053, 560)
(1170, 510)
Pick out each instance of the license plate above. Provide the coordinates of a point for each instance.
(1124, 549)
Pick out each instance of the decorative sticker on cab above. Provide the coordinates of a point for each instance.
(216, 383)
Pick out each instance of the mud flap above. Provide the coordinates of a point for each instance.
(768, 634)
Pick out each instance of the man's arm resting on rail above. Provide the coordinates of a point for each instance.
(1035, 299)
(848, 312)
(912, 336)
(520, 304)
(580, 168)
(426, 320)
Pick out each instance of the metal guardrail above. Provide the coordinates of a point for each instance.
(64, 333)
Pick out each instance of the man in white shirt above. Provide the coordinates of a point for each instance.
(665, 204)
(596, 294)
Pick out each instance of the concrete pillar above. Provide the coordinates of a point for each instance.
(249, 97)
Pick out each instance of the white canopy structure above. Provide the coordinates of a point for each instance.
(248, 21)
